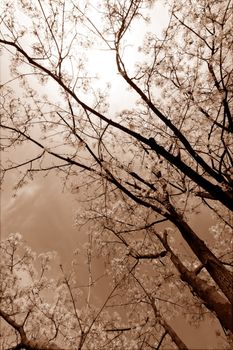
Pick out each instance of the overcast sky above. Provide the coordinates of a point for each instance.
(44, 214)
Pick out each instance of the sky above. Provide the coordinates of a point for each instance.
(43, 211)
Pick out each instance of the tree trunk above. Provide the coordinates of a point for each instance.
(211, 298)
(222, 276)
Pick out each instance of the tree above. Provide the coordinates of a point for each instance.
(154, 162)
(44, 313)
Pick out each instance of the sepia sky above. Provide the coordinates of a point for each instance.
(43, 211)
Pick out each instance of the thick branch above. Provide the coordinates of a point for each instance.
(174, 336)
(25, 343)
(211, 298)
